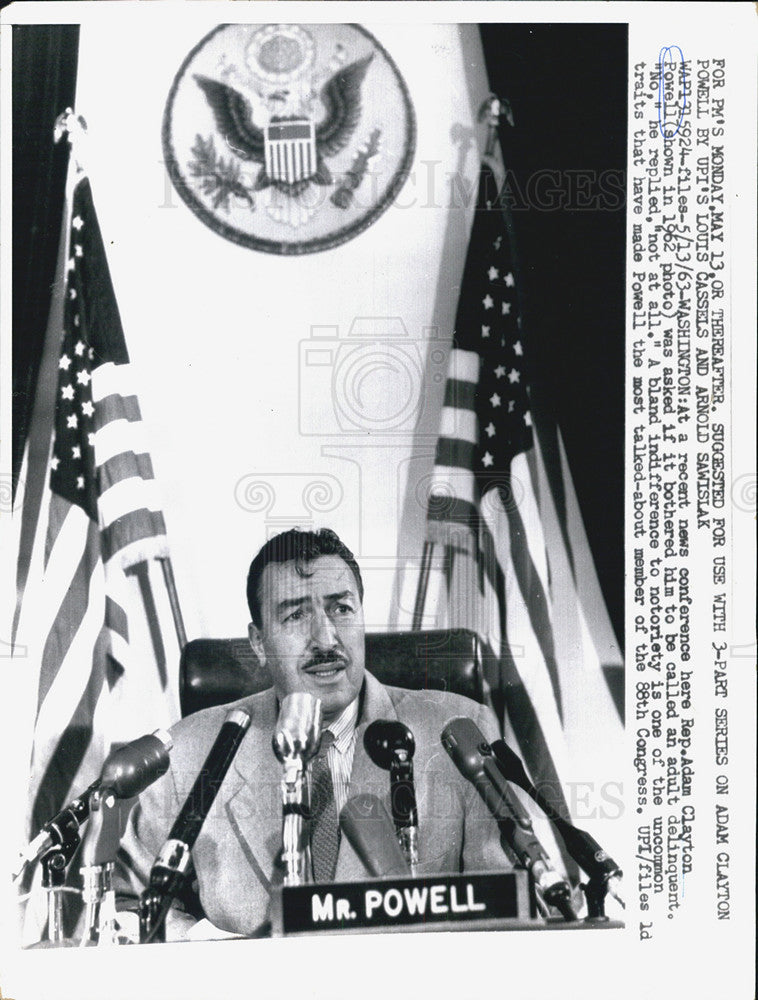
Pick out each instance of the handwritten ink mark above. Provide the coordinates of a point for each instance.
(663, 95)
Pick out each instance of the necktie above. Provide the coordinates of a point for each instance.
(325, 830)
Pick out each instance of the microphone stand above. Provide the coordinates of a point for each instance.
(65, 829)
(296, 849)
(404, 806)
(97, 874)
(295, 741)
(473, 756)
(54, 864)
(604, 874)
(391, 746)
(100, 907)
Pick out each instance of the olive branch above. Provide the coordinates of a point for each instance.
(343, 196)
(219, 179)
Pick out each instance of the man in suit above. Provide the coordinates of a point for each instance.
(305, 594)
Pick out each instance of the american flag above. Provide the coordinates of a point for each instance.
(490, 507)
(100, 520)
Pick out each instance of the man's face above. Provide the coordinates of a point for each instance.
(312, 633)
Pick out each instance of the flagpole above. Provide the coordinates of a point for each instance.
(38, 440)
(423, 586)
(173, 598)
(493, 110)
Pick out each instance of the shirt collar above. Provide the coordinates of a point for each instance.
(343, 727)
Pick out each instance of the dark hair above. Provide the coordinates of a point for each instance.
(300, 547)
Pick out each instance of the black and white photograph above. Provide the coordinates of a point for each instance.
(371, 502)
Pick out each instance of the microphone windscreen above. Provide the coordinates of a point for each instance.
(384, 738)
(129, 770)
(464, 740)
(371, 833)
(298, 728)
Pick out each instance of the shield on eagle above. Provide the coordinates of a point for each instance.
(290, 150)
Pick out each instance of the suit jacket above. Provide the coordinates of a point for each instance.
(234, 856)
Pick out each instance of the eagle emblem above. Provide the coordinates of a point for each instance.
(291, 149)
(294, 120)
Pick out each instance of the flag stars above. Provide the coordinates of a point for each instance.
(487, 460)
(495, 399)
(493, 274)
(518, 349)
(77, 222)
(83, 377)
(511, 405)
(90, 353)
(64, 363)
(506, 309)
(87, 408)
(72, 421)
(79, 348)
(497, 243)
(488, 302)
(70, 264)
(72, 293)
(76, 320)
(528, 419)
(78, 252)
(489, 430)
(76, 451)
(508, 279)
(514, 376)
(91, 439)
(485, 331)
(499, 371)
(67, 392)
(54, 462)
(80, 482)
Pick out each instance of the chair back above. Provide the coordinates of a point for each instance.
(217, 671)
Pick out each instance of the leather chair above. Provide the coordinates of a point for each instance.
(217, 671)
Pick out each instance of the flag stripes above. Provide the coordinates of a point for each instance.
(56, 783)
(130, 493)
(113, 471)
(119, 438)
(121, 536)
(114, 407)
(71, 609)
(534, 595)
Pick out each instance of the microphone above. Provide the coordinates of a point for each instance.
(129, 770)
(295, 741)
(171, 866)
(472, 755)
(390, 745)
(369, 829)
(298, 729)
(582, 847)
(126, 772)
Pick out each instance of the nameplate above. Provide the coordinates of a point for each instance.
(382, 904)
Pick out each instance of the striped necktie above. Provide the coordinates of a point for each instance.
(325, 830)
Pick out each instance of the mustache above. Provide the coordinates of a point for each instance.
(322, 658)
